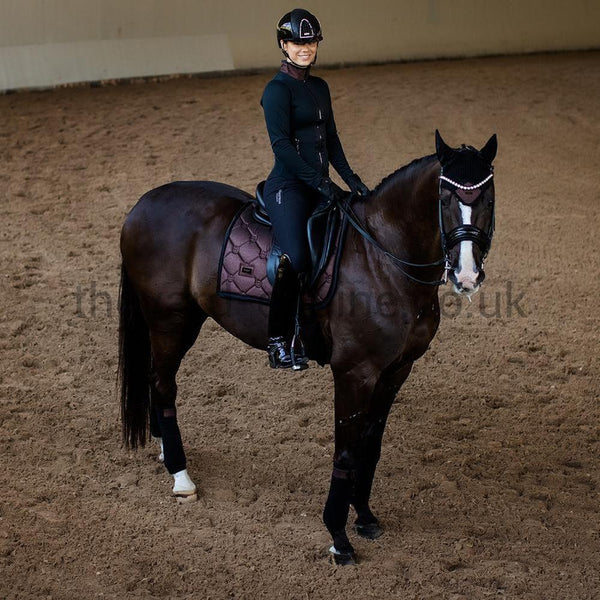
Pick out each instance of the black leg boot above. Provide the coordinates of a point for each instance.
(282, 318)
(297, 353)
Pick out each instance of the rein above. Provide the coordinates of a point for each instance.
(398, 262)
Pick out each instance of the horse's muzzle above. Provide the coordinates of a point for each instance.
(467, 284)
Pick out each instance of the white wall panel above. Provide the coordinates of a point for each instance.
(50, 42)
(54, 63)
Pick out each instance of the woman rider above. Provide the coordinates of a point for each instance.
(304, 139)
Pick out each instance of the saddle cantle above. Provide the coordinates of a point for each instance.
(249, 255)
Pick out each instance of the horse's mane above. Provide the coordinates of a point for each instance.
(403, 173)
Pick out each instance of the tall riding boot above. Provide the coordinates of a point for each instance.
(283, 319)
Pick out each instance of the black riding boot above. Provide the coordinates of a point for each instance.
(285, 347)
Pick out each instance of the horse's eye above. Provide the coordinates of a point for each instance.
(446, 200)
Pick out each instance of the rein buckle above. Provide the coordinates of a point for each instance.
(447, 269)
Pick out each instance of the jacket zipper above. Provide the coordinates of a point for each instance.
(320, 116)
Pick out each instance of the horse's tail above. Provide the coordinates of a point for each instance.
(134, 366)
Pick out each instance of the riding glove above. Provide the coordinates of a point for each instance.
(357, 186)
(331, 190)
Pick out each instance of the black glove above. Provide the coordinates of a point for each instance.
(357, 186)
(331, 190)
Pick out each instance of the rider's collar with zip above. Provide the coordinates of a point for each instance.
(293, 71)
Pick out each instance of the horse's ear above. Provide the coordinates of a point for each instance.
(443, 151)
(489, 150)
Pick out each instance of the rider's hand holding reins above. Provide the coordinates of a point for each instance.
(357, 187)
(331, 190)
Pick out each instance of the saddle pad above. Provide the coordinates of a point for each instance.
(243, 264)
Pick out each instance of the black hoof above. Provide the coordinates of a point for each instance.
(370, 531)
(342, 558)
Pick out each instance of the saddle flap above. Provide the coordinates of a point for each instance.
(322, 228)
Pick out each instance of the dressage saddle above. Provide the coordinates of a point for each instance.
(321, 232)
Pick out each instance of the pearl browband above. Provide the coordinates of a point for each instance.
(466, 187)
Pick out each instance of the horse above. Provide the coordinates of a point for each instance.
(428, 222)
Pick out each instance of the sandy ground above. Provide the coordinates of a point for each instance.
(489, 480)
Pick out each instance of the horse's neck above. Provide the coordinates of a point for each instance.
(403, 213)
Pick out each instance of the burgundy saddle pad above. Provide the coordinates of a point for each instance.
(243, 264)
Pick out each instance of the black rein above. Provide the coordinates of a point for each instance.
(398, 262)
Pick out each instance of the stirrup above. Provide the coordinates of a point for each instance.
(279, 357)
(297, 354)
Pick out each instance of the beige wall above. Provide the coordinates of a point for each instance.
(50, 42)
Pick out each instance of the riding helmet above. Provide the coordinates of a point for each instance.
(298, 26)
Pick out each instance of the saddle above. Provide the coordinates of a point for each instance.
(321, 228)
(250, 254)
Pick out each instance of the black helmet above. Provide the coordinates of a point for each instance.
(298, 26)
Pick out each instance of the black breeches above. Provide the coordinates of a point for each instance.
(290, 204)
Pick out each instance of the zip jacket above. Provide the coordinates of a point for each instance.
(301, 128)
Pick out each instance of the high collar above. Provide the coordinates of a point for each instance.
(293, 71)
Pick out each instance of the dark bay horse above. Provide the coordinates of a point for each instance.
(428, 221)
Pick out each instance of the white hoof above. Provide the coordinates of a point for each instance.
(161, 456)
(184, 489)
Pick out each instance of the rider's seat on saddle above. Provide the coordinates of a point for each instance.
(321, 231)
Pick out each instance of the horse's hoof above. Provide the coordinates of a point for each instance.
(342, 558)
(186, 498)
(371, 531)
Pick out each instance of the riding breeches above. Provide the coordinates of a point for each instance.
(290, 203)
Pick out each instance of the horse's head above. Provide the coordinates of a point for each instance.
(466, 195)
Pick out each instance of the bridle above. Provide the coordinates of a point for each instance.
(449, 239)
(465, 233)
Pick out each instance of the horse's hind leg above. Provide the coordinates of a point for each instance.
(170, 339)
(155, 433)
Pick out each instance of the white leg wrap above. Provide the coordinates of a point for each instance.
(184, 487)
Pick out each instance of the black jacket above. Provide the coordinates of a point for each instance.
(302, 130)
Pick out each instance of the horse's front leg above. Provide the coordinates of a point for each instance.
(367, 525)
(353, 392)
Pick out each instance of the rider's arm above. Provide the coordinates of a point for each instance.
(276, 102)
(337, 158)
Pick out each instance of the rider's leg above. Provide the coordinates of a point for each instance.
(289, 205)
(282, 315)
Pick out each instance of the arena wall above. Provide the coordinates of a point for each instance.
(53, 42)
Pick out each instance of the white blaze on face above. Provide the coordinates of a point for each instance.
(467, 269)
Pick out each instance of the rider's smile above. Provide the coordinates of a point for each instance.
(302, 55)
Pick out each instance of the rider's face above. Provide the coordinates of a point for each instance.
(301, 54)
